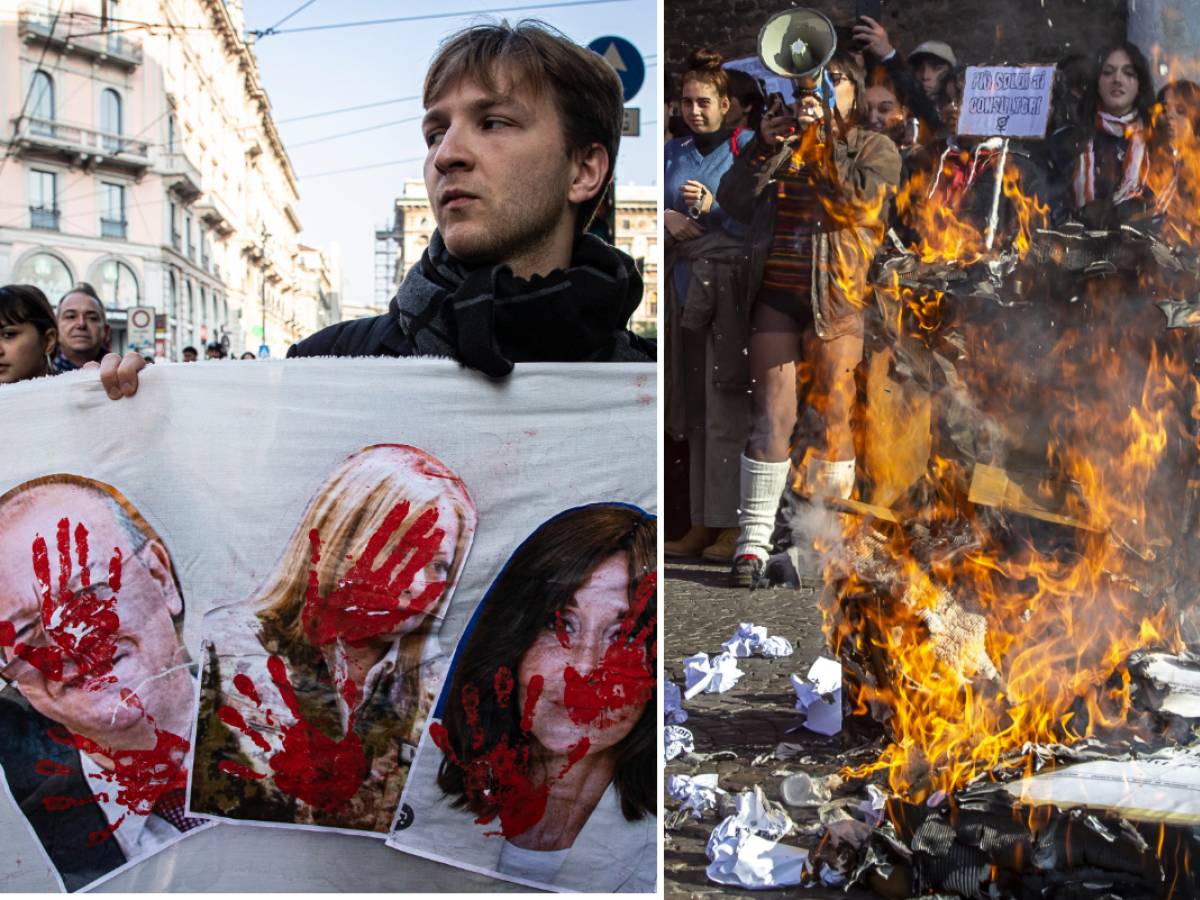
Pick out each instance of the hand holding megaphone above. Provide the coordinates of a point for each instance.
(782, 124)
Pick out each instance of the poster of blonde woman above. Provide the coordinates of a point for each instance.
(314, 690)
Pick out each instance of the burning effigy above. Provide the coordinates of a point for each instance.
(1010, 589)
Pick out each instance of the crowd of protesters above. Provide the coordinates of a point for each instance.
(37, 340)
(774, 213)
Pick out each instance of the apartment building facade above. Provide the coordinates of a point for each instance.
(140, 155)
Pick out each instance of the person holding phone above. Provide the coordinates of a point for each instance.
(921, 81)
(813, 188)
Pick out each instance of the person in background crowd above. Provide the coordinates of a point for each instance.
(510, 274)
(886, 112)
(746, 102)
(704, 403)
(249, 354)
(28, 334)
(83, 331)
(808, 284)
(214, 351)
(190, 354)
(919, 85)
(1109, 180)
(1070, 128)
(1175, 161)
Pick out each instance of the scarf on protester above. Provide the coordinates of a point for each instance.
(488, 319)
(1129, 127)
(707, 142)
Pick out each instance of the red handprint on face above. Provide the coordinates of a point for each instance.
(311, 766)
(498, 782)
(140, 777)
(625, 677)
(79, 625)
(366, 602)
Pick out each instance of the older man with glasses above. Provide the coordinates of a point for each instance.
(97, 685)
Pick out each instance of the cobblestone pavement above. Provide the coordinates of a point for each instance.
(749, 721)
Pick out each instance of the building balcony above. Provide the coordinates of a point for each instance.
(180, 175)
(216, 214)
(42, 218)
(37, 27)
(80, 146)
(113, 228)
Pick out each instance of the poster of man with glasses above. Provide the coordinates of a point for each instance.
(95, 706)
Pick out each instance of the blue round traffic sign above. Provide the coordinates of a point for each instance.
(625, 59)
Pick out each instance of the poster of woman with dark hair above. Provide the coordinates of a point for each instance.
(539, 763)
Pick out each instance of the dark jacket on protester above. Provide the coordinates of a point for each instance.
(488, 319)
(866, 169)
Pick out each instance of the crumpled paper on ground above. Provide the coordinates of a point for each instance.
(697, 794)
(673, 711)
(744, 850)
(750, 639)
(820, 696)
(677, 740)
(710, 676)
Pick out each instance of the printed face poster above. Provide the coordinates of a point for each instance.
(235, 600)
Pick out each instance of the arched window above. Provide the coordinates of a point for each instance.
(172, 131)
(110, 119)
(44, 271)
(205, 318)
(41, 104)
(118, 285)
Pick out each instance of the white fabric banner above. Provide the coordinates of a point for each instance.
(225, 467)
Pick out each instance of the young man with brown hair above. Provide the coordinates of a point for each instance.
(522, 127)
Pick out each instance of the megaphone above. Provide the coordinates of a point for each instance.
(797, 44)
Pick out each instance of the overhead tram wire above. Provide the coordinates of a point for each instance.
(394, 162)
(136, 24)
(427, 16)
(301, 8)
(342, 134)
(345, 109)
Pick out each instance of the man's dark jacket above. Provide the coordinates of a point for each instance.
(488, 319)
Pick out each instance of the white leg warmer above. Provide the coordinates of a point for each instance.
(762, 485)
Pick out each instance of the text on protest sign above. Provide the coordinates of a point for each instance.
(1006, 101)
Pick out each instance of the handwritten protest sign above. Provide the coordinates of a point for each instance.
(1006, 101)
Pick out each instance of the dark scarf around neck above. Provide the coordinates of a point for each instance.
(488, 319)
(709, 141)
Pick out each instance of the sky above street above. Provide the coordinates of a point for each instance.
(312, 72)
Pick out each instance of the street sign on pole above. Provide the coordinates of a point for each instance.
(141, 328)
(264, 352)
(632, 126)
(625, 60)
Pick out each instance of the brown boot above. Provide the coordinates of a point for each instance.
(697, 538)
(722, 549)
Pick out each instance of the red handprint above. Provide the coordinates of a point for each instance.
(625, 677)
(141, 777)
(79, 625)
(365, 603)
(313, 767)
(498, 782)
